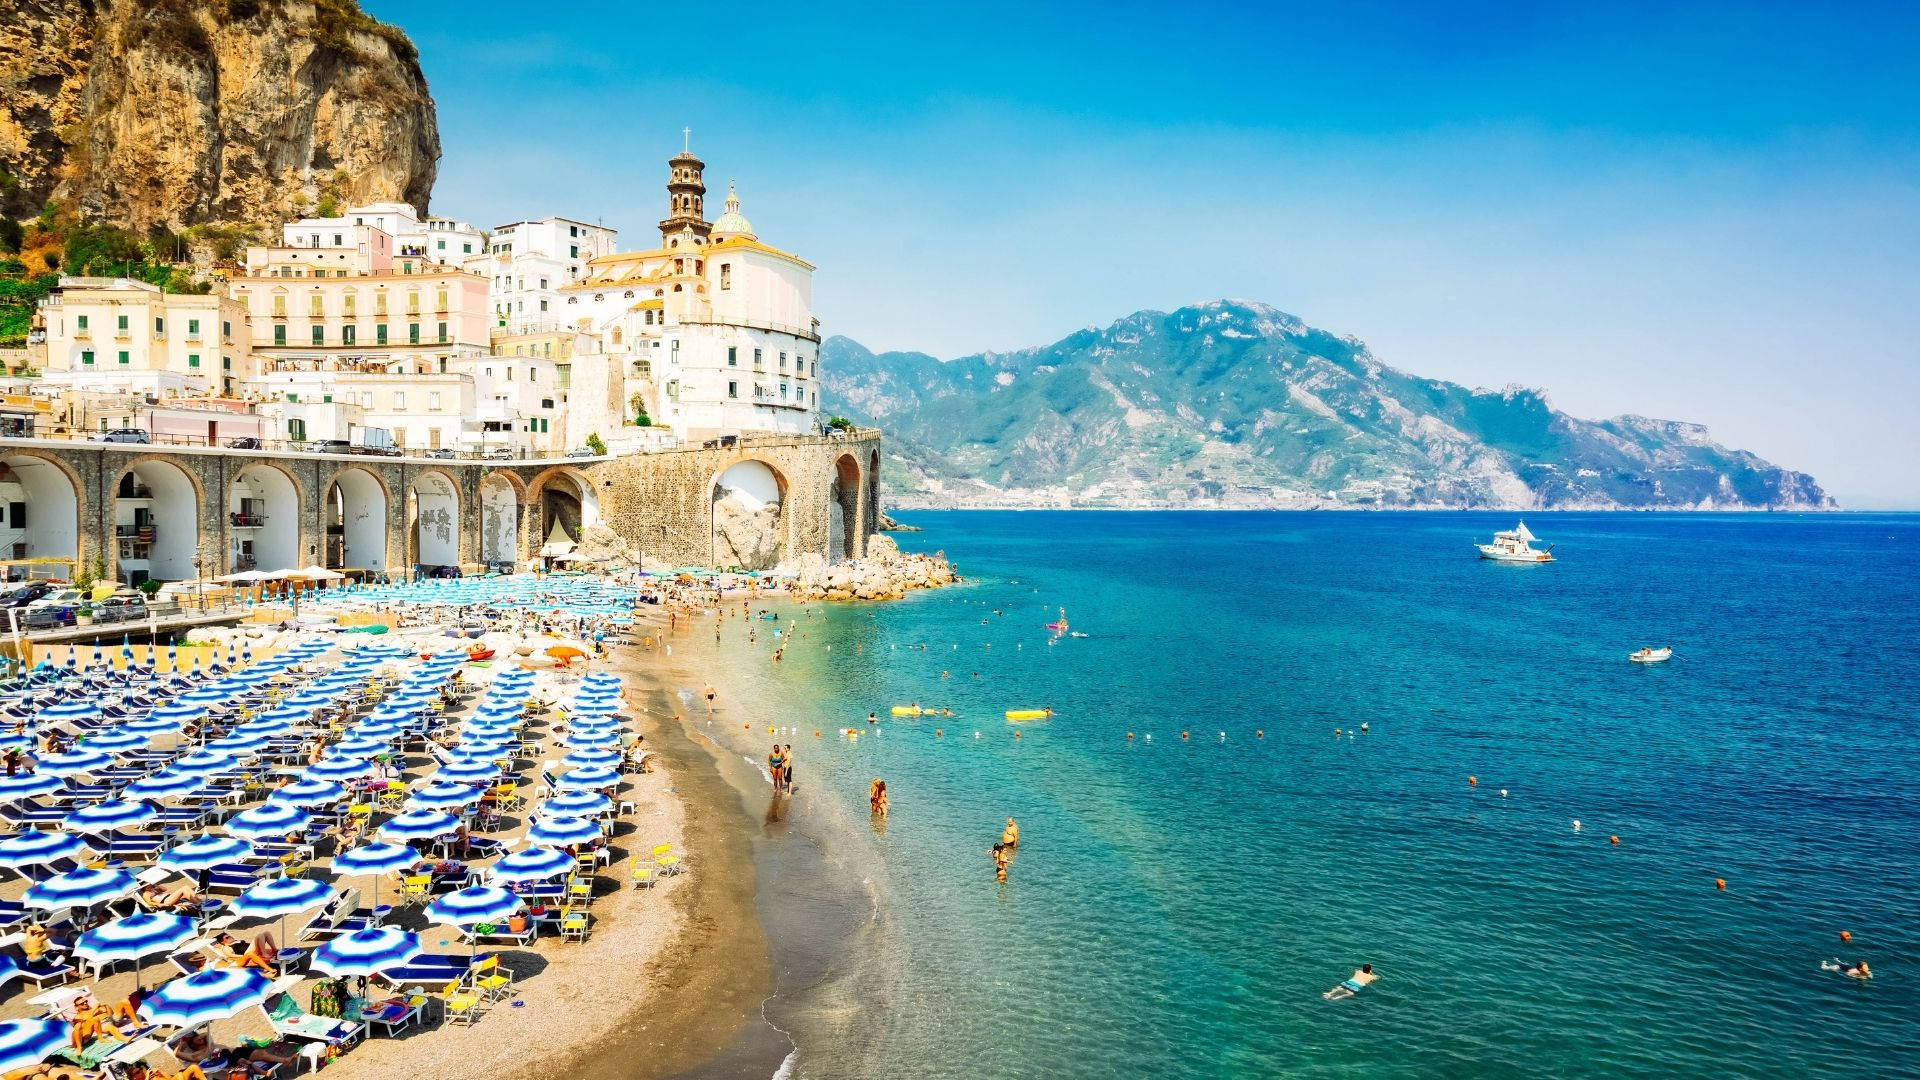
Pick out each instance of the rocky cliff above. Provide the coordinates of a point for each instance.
(1234, 404)
(179, 112)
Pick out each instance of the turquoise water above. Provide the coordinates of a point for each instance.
(1178, 907)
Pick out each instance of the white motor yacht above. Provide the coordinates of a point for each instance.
(1515, 545)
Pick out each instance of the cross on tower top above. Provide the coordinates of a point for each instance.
(686, 140)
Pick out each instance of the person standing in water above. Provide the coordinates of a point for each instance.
(776, 768)
(1001, 855)
(877, 797)
(1010, 836)
(786, 767)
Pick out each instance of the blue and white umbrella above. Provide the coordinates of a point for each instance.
(383, 730)
(590, 778)
(592, 740)
(309, 793)
(134, 937)
(206, 762)
(152, 726)
(360, 747)
(268, 820)
(365, 952)
(480, 751)
(116, 742)
(531, 864)
(445, 796)
(478, 904)
(9, 969)
(561, 830)
(166, 784)
(283, 896)
(419, 825)
(38, 848)
(109, 816)
(337, 769)
(71, 710)
(577, 803)
(18, 788)
(80, 888)
(74, 763)
(29, 1042)
(202, 852)
(468, 772)
(581, 758)
(181, 711)
(375, 859)
(206, 996)
(240, 743)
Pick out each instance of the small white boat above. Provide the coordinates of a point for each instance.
(1515, 545)
(1651, 656)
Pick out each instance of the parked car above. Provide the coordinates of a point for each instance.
(26, 594)
(500, 453)
(581, 452)
(375, 451)
(67, 597)
(440, 453)
(120, 607)
(47, 618)
(124, 435)
(329, 446)
(245, 442)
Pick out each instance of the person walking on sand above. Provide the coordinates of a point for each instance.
(710, 695)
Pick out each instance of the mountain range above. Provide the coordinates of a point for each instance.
(1233, 404)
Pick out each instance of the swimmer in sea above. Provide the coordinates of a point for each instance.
(873, 718)
(1010, 836)
(1352, 986)
(1858, 970)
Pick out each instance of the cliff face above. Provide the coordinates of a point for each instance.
(178, 112)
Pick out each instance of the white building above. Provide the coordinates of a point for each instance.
(528, 263)
(434, 239)
(713, 330)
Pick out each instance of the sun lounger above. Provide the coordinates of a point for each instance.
(291, 1022)
(341, 915)
(44, 970)
(429, 969)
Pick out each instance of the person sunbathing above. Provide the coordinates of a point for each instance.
(36, 943)
(262, 954)
(180, 897)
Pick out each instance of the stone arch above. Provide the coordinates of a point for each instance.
(263, 518)
(549, 503)
(354, 511)
(42, 495)
(433, 518)
(873, 492)
(501, 494)
(156, 520)
(843, 510)
(748, 519)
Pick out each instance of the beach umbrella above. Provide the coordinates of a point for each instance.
(419, 825)
(206, 996)
(203, 852)
(337, 769)
(309, 793)
(442, 795)
(577, 804)
(592, 740)
(79, 888)
(27, 786)
(71, 710)
(375, 859)
(205, 762)
(134, 938)
(562, 831)
(360, 746)
(210, 694)
(268, 820)
(29, 1042)
(109, 816)
(116, 742)
(591, 757)
(467, 772)
(384, 731)
(240, 743)
(73, 656)
(477, 904)
(152, 726)
(531, 864)
(38, 848)
(166, 784)
(9, 969)
(74, 763)
(182, 711)
(365, 952)
(590, 778)
(283, 896)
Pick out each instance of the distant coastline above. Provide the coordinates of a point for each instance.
(899, 507)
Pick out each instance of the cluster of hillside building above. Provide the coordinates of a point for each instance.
(380, 327)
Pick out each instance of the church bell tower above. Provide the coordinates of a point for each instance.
(685, 225)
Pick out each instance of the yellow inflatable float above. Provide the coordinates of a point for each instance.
(909, 710)
(1029, 714)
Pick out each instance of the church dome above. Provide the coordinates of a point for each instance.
(732, 222)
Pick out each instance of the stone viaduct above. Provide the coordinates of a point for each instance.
(193, 512)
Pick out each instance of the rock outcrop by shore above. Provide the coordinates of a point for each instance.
(886, 573)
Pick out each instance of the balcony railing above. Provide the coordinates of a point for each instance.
(247, 521)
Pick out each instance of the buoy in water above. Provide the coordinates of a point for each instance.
(976, 734)
(1576, 824)
(1503, 793)
(1613, 839)
(1844, 936)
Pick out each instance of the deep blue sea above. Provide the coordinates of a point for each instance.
(1183, 897)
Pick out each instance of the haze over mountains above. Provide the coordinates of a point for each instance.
(1232, 404)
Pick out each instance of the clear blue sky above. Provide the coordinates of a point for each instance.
(1702, 212)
